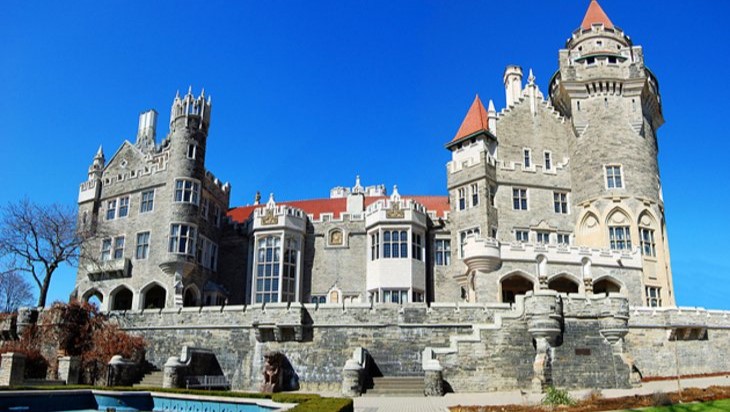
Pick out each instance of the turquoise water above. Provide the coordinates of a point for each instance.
(88, 401)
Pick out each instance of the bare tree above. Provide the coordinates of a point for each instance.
(37, 239)
(14, 291)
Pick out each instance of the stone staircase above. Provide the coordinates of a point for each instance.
(397, 386)
(152, 379)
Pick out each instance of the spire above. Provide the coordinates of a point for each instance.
(475, 120)
(99, 153)
(531, 78)
(492, 117)
(595, 15)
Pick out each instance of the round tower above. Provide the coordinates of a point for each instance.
(612, 99)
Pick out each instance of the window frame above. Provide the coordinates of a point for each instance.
(653, 296)
(560, 202)
(190, 240)
(522, 235)
(614, 180)
(147, 205)
(526, 158)
(619, 237)
(644, 242)
(145, 246)
(442, 252)
(474, 188)
(520, 199)
(194, 191)
(548, 160)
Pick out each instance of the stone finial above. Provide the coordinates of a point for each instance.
(395, 196)
(531, 78)
(99, 153)
(190, 90)
(257, 198)
(358, 187)
(271, 203)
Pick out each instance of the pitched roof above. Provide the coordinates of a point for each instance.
(337, 206)
(594, 15)
(475, 120)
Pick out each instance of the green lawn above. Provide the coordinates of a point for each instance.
(714, 406)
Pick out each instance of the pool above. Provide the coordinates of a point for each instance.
(108, 401)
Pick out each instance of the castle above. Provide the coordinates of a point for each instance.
(560, 194)
(547, 261)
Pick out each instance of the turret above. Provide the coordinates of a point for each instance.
(612, 100)
(97, 165)
(512, 84)
(146, 130)
(189, 123)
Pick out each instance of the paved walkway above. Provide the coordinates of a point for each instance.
(440, 404)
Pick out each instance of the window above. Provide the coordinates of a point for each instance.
(207, 253)
(289, 280)
(319, 299)
(182, 239)
(111, 209)
(143, 245)
(204, 207)
(543, 237)
(375, 246)
(590, 61)
(417, 246)
(462, 199)
(395, 296)
(560, 202)
(526, 155)
(653, 296)
(267, 269)
(648, 247)
(106, 250)
(463, 235)
(123, 206)
(492, 194)
(217, 215)
(186, 191)
(619, 237)
(417, 296)
(613, 177)
(118, 247)
(563, 239)
(519, 199)
(474, 194)
(395, 244)
(548, 161)
(192, 149)
(147, 201)
(522, 236)
(442, 252)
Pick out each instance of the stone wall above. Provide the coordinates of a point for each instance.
(679, 341)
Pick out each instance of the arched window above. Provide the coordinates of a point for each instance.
(94, 297)
(646, 235)
(513, 285)
(563, 284)
(191, 297)
(619, 231)
(121, 299)
(336, 238)
(154, 297)
(606, 285)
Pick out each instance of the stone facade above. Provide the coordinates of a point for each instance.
(552, 226)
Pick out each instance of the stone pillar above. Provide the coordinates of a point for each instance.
(544, 313)
(433, 382)
(352, 377)
(173, 373)
(613, 327)
(12, 370)
(69, 369)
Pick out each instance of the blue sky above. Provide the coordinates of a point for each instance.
(306, 95)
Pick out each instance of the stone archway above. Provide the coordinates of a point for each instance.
(563, 284)
(606, 285)
(513, 285)
(154, 297)
(121, 299)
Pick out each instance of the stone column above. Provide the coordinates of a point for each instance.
(173, 373)
(68, 369)
(12, 370)
(352, 377)
(544, 313)
(613, 327)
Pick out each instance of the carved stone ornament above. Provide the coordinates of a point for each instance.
(269, 218)
(336, 238)
(395, 212)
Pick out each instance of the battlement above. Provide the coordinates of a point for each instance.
(629, 259)
(212, 182)
(679, 317)
(189, 107)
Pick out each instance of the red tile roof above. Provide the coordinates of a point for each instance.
(316, 207)
(595, 14)
(475, 120)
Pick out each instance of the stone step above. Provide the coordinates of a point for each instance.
(397, 386)
(152, 379)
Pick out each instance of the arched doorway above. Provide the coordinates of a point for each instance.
(513, 285)
(191, 297)
(94, 297)
(154, 297)
(563, 284)
(606, 285)
(121, 299)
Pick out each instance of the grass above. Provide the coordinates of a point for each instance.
(712, 406)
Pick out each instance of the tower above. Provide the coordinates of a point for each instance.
(612, 100)
(471, 180)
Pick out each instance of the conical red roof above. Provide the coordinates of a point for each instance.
(476, 120)
(595, 14)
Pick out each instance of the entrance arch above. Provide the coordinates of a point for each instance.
(515, 284)
(153, 297)
(563, 284)
(121, 299)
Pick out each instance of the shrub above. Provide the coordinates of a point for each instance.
(555, 397)
(36, 365)
(660, 399)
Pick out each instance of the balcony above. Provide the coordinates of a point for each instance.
(481, 254)
(109, 269)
